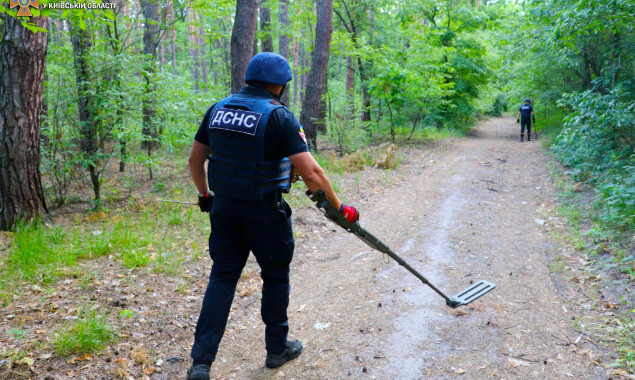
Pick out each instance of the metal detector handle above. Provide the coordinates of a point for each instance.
(336, 216)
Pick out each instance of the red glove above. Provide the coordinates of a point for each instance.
(350, 213)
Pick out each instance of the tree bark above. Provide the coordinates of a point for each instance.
(192, 37)
(150, 42)
(172, 34)
(317, 75)
(242, 42)
(296, 76)
(266, 42)
(81, 40)
(304, 62)
(22, 65)
(202, 56)
(283, 42)
(351, 28)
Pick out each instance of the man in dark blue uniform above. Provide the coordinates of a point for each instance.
(525, 113)
(251, 142)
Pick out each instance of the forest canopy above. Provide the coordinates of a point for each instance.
(124, 83)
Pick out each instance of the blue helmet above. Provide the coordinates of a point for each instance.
(527, 100)
(268, 68)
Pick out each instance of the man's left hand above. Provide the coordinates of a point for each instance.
(350, 213)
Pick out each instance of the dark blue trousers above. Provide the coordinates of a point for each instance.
(239, 227)
(527, 124)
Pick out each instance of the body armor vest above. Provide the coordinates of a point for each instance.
(237, 168)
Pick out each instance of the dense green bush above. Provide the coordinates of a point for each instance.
(596, 143)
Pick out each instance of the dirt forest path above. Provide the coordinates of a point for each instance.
(466, 210)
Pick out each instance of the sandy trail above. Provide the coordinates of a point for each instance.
(469, 209)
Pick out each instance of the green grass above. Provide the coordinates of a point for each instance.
(40, 254)
(88, 334)
(168, 263)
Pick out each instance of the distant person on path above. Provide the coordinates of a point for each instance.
(252, 142)
(524, 117)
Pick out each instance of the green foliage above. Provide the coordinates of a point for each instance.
(90, 333)
(597, 144)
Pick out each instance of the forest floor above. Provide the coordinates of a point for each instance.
(459, 210)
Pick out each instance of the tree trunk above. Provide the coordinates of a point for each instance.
(193, 47)
(150, 43)
(172, 33)
(350, 84)
(303, 64)
(242, 42)
(81, 40)
(283, 43)
(317, 75)
(320, 122)
(22, 65)
(266, 42)
(203, 59)
(296, 77)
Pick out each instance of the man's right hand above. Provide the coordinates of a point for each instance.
(517, 121)
(350, 213)
(206, 201)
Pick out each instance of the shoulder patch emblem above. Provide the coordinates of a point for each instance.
(302, 135)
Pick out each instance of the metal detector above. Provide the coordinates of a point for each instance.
(464, 297)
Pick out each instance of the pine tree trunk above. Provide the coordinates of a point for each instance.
(172, 33)
(81, 40)
(22, 65)
(296, 77)
(242, 42)
(265, 28)
(193, 47)
(150, 43)
(283, 43)
(303, 65)
(317, 75)
(202, 56)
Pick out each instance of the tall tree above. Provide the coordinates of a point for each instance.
(22, 65)
(350, 23)
(151, 40)
(192, 38)
(317, 75)
(266, 42)
(350, 84)
(242, 42)
(171, 22)
(81, 40)
(202, 43)
(283, 42)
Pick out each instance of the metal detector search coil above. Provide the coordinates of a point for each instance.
(464, 297)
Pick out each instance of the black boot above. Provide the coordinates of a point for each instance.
(198, 372)
(293, 350)
(529, 136)
(521, 137)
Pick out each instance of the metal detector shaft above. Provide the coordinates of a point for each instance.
(463, 298)
(179, 202)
